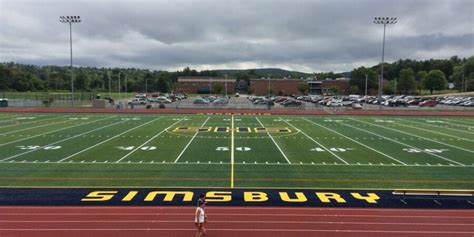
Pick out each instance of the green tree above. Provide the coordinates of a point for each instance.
(420, 80)
(470, 82)
(469, 66)
(436, 80)
(358, 79)
(407, 82)
(303, 87)
(217, 88)
(456, 77)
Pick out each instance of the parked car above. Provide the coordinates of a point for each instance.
(430, 103)
(201, 101)
(292, 103)
(162, 99)
(137, 101)
(356, 106)
(220, 101)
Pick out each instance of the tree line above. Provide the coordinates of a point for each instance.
(408, 76)
(411, 76)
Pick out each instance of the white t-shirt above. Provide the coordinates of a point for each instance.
(200, 218)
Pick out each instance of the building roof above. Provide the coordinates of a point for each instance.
(205, 79)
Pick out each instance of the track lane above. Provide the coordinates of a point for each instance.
(233, 221)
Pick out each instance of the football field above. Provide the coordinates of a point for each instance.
(236, 151)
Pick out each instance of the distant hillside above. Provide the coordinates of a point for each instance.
(274, 72)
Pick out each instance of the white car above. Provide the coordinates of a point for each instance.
(137, 101)
(162, 99)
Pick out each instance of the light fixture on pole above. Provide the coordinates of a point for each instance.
(71, 20)
(385, 21)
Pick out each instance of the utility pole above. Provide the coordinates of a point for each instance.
(226, 85)
(126, 91)
(71, 20)
(395, 86)
(119, 89)
(366, 85)
(110, 84)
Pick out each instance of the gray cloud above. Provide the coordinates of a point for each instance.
(209, 34)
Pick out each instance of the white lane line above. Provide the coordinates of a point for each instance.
(411, 134)
(368, 147)
(44, 125)
(400, 232)
(435, 131)
(158, 134)
(274, 142)
(42, 134)
(241, 221)
(319, 144)
(69, 138)
(100, 143)
(404, 144)
(190, 141)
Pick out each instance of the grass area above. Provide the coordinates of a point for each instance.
(236, 150)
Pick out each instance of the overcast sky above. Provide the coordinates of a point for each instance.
(308, 36)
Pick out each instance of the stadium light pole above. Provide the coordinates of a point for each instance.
(71, 20)
(385, 21)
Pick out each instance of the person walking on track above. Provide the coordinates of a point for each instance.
(200, 219)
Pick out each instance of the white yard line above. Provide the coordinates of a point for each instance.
(190, 141)
(437, 126)
(319, 144)
(158, 134)
(368, 147)
(100, 143)
(232, 150)
(411, 134)
(42, 134)
(404, 144)
(44, 125)
(274, 142)
(69, 138)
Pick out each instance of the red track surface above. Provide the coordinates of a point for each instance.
(233, 221)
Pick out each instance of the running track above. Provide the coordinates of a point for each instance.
(233, 222)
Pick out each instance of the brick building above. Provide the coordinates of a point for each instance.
(274, 86)
(338, 86)
(204, 85)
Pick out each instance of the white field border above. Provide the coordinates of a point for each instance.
(368, 147)
(66, 139)
(319, 144)
(274, 142)
(414, 135)
(401, 143)
(190, 141)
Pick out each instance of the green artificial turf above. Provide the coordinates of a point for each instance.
(110, 150)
